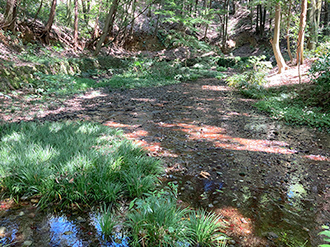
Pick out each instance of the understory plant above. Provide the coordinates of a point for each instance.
(256, 70)
(326, 234)
(157, 221)
(66, 162)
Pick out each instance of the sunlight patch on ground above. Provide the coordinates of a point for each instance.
(119, 125)
(317, 157)
(239, 226)
(93, 94)
(220, 139)
(215, 88)
(143, 99)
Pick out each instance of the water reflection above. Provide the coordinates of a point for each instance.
(63, 232)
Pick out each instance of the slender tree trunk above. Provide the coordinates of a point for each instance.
(49, 24)
(225, 25)
(38, 11)
(9, 22)
(301, 34)
(276, 41)
(75, 36)
(257, 20)
(107, 26)
(263, 21)
(51, 18)
(133, 18)
(288, 32)
(326, 24)
(314, 23)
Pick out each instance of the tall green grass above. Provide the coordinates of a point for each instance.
(70, 162)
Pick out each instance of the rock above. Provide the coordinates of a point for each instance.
(81, 219)
(27, 243)
(21, 213)
(68, 233)
(210, 205)
(271, 235)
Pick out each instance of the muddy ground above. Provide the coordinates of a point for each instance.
(270, 181)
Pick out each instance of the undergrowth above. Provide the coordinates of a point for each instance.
(303, 105)
(70, 163)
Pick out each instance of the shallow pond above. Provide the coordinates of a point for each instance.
(269, 181)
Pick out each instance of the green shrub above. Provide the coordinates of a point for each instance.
(326, 233)
(252, 78)
(320, 75)
(156, 221)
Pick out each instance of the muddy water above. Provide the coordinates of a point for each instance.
(269, 181)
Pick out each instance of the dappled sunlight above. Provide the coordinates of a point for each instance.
(136, 136)
(316, 157)
(119, 125)
(220, 139)
(239, 226)
(143, 99)
(215, 88)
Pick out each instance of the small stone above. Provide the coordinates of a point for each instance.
(272, 235)
(27, 243)
(68, 233)
(21, 213)
(34, 200)
(210, 205)
(2, 231)
(219, 173)
(81, 219)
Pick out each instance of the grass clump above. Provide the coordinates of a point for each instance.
(72, 163)
(204, 229)
(326, 236)
(157, 221)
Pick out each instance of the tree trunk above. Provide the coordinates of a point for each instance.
(263, 21)
(276, 41)
(326, 23)
(301, 34)
(314, 23)
(51, 18)
(288, 32)
(75, 36)
(49, 24)
(225, 25)
(38, 11)
(257, 20)
(85, 10)
(107, 26)
(9, 22)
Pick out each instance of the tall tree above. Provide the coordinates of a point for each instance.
(301, 34)
(276, 40)
(9, 22)
(314, 23)
(51, 18)
(75, 36)
(108, 25)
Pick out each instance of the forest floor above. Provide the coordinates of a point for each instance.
(267, 179)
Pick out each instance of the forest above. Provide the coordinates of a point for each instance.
(165, 123)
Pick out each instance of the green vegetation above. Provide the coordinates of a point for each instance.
(306, 104)
(64, 164)
(73, 163)
(326, 234)
(155, 220)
